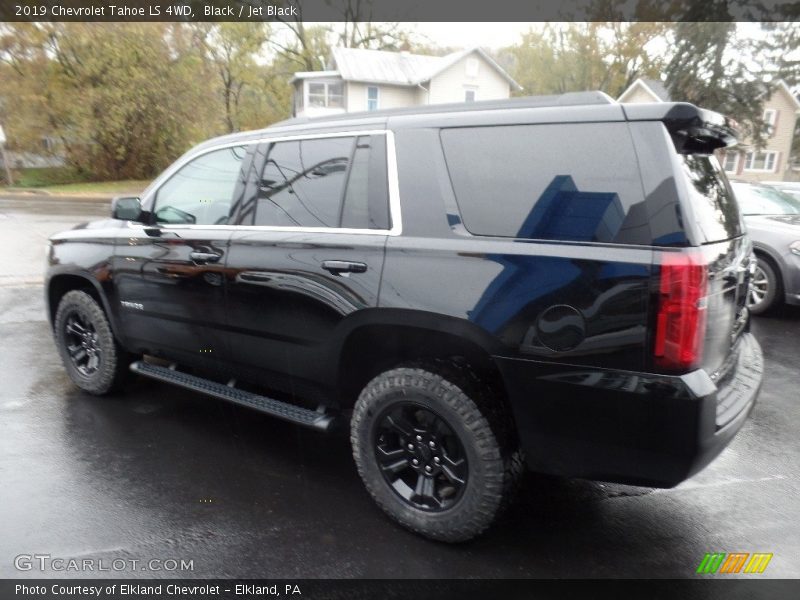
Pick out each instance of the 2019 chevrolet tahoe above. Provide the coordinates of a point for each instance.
(555, 281)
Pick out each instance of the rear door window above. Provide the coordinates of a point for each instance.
(320, 182)
(366, 199)
(570, 182)
(303, 181)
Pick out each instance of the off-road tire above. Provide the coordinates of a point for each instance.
(475, 414)
(112, 371)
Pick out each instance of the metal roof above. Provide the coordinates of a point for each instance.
(398, 68)
(313, 74)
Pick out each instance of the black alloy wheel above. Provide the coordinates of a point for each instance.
(435, 448)
(421, 457)
(93, 358)
(82, 343)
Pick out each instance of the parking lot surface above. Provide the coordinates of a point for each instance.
(161, 473)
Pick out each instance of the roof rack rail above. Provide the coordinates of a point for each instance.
(567, 99)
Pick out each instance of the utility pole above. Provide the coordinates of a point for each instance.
(4, 156)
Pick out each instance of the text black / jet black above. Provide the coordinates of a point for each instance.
(560, 278)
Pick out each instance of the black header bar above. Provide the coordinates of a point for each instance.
(399, 10)
(391, 589)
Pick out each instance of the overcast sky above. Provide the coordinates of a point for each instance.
(464, 35)
(486, 35)
(493, 36)
(458, 35)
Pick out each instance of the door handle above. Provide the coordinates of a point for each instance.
(204, 257)
(253, 277)
(157, 232)
(337, 267)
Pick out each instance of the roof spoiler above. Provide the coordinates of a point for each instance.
(694, 130)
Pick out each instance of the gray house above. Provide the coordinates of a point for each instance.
(361, 80)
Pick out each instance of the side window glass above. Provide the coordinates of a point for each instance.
(246, 195)
(366, 200)
(201, 192)
(303, 183)
(570, 182)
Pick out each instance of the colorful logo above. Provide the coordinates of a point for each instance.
(736, 562)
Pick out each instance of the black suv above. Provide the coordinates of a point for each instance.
(562, 279)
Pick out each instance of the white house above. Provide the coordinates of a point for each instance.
(645, 90)
(363, 80)
(744, 161)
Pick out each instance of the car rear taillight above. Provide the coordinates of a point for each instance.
(681, 319)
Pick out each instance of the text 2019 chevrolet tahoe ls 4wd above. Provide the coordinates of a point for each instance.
(562, 279)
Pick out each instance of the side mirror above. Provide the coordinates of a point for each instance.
(126, 208)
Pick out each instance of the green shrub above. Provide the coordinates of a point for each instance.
(43, 177)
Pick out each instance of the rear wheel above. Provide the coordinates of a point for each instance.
(765, 288)
(428, 454)
(93, 359)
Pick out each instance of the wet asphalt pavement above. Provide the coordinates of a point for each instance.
(160, 473)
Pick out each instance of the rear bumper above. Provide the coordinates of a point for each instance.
(626, 427)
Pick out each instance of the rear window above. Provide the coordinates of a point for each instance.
(714, 205)
(571, 182)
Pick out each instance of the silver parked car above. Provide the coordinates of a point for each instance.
(773, 222)
(789, 187)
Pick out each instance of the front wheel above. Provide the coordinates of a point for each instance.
(765, 288)
(428, 454)
(93, 359)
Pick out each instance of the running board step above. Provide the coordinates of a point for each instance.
(283, 410)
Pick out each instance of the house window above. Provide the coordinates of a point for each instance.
(372, 97)
(731, 163)
(325, 94)
(298, 99)
(471, 68)
(766, 162)
(770, 118)
(469, 95)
